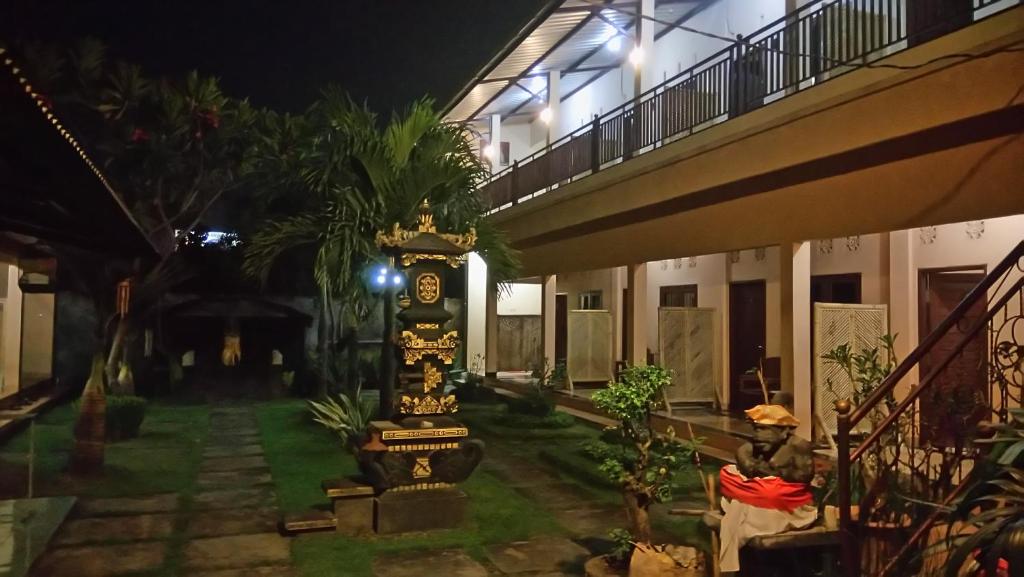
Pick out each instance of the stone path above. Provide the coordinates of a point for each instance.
(228, 528)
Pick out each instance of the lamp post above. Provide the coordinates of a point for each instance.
(387, 281)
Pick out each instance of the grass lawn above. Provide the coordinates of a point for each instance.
(164, 458)
(301, 453)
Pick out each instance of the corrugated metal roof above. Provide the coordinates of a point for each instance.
(574, 35)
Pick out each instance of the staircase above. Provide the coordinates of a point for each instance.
(910, 447)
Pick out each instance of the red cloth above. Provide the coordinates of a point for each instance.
(764, 492)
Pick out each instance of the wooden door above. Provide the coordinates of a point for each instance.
(956, 400)
(561, 326)
(746, 336)
(519, 342)
(929, 19)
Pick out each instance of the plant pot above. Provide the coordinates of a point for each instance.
(599, 567)
(651, 561)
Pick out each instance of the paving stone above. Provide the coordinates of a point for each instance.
(234, 498)
(265, 571)
(590, 521)
(92, 507)
(101, 561)
(229, 479)
(100, 529)
(237, 451)
(232, 522)
(233, 463)
(237, 551)
(217, 440)
(450, 563)
(556, 495)
(539, 555)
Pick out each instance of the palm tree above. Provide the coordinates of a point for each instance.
(358, 179)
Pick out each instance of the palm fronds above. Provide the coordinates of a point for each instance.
(347, 415)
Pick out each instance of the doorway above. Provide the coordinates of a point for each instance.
(747, 338)
(958, 395)
(835, 288)
(561, 327)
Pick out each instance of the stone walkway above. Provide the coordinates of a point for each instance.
(228, 528)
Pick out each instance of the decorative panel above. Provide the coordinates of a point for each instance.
(589, 346)
(860, 326)
(686, 345)
(519, 342)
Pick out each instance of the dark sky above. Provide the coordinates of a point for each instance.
(281, 53)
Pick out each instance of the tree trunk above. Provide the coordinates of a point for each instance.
(115, 355)
(90, 428)
(351, 340)
(638, 516)
(323, 338)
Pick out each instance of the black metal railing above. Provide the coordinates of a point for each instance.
(800, 50)
(917, 449)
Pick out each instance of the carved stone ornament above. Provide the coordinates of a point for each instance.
(927, 234)
(853, 243)
(677, 263)
(975, 229)
(759, 254)
(825, 246)
(663, 264)
(734, 256)
(693, 262)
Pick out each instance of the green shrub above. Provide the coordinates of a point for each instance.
(556, 420)
(125, 414)
(535, 403)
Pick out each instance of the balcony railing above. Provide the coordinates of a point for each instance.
(817, 42)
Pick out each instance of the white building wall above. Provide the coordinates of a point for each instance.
(598, 97)
(866, 254)
(523, 299)
(476, 310)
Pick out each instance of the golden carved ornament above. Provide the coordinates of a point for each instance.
(428, 405)
(453, 260)
(428, 288)
(416, 347)
(431, 377)
(427, 326)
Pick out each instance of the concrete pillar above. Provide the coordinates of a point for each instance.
(618, 284)
(643, 77)
(10, 329)
(554, 101)
(476, 312)
(491, 358)
(636, 331)
(548, 289)
(903, 295)
(495, 143)
(795, 326)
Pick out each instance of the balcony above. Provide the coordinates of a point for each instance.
(819, 42)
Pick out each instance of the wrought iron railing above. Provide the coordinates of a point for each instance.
(817, 42)
(917, 446)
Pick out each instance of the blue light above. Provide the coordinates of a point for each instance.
(396, 280)
(382, 280)
(382, 272)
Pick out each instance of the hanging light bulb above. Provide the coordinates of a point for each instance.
(546, 115)
(636, 56)
(489, 151)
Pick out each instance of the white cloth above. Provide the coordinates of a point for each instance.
(743, 522)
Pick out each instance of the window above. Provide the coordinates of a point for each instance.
(590, 301)
(683, 295)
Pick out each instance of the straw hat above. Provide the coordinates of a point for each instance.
(772, 415)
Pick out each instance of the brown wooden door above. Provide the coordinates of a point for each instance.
(519, 343)
(746, 337)
(561, 326)
(955, 401)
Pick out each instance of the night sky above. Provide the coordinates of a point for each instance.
(281, 53)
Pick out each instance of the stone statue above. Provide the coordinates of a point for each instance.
(767, 492)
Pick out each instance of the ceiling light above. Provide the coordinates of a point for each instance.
(615, 43)
(489, 151)
(636, 56)
(546, 115)
(537, 84)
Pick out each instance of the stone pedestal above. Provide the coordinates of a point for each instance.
(400, 511)
(353, 505)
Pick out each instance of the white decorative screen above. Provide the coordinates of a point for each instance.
(860, 326)
(686, 345)
(589, 346)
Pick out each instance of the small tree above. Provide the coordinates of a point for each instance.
(645, 463)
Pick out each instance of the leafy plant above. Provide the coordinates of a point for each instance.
(866, 369)
(992, 510)
(125, 414)
(622, 548)
(645, 463)
(348, 415)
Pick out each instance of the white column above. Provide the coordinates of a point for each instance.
(615, 306)
(795, 326)
(903, 295)
(554, 102)
(10, 332)
(476, 311)
(636, 332)
(491, 358)
(548, 289)
(495, 142)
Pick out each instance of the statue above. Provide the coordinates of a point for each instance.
(231, 354)
(767, 492)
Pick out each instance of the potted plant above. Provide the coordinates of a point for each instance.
(642, 463)
(347, 414)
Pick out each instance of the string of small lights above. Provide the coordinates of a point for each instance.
(46, 109)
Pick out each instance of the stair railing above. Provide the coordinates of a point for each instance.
(893, 485)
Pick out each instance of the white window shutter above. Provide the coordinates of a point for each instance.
(860, 326)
